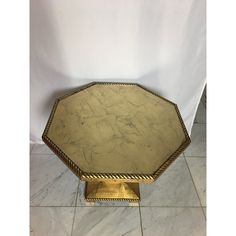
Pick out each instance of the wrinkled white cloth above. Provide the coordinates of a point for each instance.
(157, 43)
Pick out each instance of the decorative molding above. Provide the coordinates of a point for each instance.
(124, 177)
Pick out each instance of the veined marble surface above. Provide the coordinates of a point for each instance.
(197, 167)
(173, 188)
(51, 221)
(106, 221)
(198, 141)
(51, 182)
(173, 221)
(41, 149)
(116, 129)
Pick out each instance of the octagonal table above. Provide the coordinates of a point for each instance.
(115, 136)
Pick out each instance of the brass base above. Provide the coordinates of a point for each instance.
(111, 190)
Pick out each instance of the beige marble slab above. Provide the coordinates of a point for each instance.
(116, 129)
(51, 221)
(173, 221)
(51, 182)
(173, 188)
(106, 221)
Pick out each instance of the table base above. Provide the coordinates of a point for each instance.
(111, 190)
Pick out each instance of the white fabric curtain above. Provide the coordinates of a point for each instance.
(157, 43)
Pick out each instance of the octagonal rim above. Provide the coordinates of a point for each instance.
(124, 177)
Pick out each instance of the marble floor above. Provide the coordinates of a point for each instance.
(173, 205)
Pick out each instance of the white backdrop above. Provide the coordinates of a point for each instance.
(157, 43)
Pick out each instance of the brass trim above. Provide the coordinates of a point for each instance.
(112, 199)
(123, 177)
(112, 191)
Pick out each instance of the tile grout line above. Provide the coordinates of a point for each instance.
(194, 186)
(72, 226)
(75, 207)
(202, 157)
(204, 212)
(140, 218)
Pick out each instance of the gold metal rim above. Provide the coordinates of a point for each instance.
(124, 177)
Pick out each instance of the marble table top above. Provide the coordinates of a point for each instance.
(116, 129)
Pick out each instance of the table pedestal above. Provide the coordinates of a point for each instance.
(111, 190)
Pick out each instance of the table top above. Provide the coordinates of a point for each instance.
(114, 130)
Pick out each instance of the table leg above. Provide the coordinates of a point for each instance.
(111, 190)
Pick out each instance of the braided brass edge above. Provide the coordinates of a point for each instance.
(116, 83)
(173, 157)
(50, 118)
(135, 178)
(81, 88)
(182, 123)
(75, 169)
(112, 83)
(124, 177)
(90, 85)
(112, 199)
(181, 148)
(155, 94)
(94, 176)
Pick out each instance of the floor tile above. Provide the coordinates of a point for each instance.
(51, 182)
(198, 141)
(51, 221)
(41, 149)
(173, 221)
(107, 221)
(197, 168)
(31, 147)
(205, 211)
(181, 156)
(82, 202)
(201, 114)
(204, 96)
(173, 188)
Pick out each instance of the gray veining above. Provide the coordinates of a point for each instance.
(106, 221)
(51, 182)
